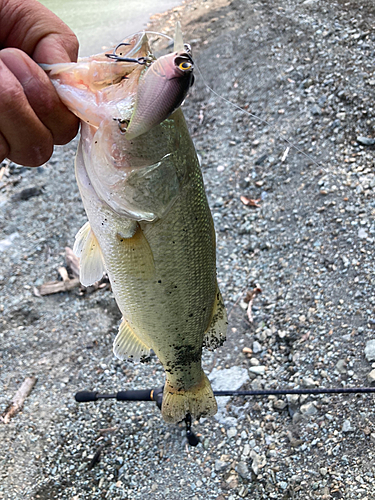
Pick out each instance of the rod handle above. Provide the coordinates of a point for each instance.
(86, 396)
(140, 395)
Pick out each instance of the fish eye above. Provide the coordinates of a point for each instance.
(185, 65)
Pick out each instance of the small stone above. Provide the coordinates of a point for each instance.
(256, 347)
(242, 469)
(298, 417)
(220, 465)
(371, 377)
(341, 366)
(256, 462)
(254, 362)
(308, 382)
(365, 141)
(224, 380)
(258, 370)
(316, 110)
(262, 335)
(232, 432)
(279, 404)
(346, 426)
(308, 409)
(256, 385)
(292, 399)
(323, 471)
(246, 450)
(243, 491)
(362, 233)
(370, 350)
(283, 485)
(4, 244)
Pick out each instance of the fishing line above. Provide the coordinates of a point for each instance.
(257, 118)
(156, 395)
(149, 33)
(252, 115)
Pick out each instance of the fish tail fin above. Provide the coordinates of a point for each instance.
(199, 401)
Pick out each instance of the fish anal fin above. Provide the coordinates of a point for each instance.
(86, 247)
(216, 333)
(128, 345)
(138, 254)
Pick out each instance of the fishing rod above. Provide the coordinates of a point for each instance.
(156, 395)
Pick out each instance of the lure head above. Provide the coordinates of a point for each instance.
(161, 90)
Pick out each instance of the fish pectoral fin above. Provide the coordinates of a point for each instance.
(137, 253)
(86, 247)
(216, 333)
(128, 344)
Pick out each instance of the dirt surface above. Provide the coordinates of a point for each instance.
(306, 69)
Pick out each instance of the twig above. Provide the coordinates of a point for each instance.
(72, 261)
(95, 458)
(108, 430)
(2, 172)
(285, 154)
(56, 287)
(67, 284)
(251, 294)
(63, 273)
(13, 181)
(18, 400)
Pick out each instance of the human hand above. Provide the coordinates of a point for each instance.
(32, 117)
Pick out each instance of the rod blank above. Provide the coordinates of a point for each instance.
(154, 394)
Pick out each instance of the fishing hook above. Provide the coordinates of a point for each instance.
(116, 57)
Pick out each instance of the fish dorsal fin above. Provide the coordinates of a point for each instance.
(137, 253)
(128, 345)
(86, 247)
(178, 45)
(216, 333)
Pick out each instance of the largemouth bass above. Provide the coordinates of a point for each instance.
(150, 227)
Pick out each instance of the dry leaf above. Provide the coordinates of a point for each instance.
(249, 202)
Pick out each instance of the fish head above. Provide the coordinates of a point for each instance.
(128, 84)
(130, 135)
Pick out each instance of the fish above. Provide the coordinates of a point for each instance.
(149, 224)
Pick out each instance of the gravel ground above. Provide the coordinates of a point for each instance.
(305, 68)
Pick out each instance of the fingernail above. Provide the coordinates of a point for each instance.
(17, 62)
